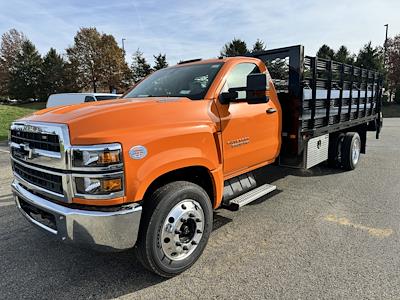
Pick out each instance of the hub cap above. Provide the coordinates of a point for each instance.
(182, 230)
(355, 153)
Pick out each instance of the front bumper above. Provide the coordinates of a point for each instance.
(102, 230)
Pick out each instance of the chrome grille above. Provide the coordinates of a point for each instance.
(43, 141)
(41, 144)
(44, 180)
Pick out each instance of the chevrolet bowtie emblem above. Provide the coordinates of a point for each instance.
(27, 151)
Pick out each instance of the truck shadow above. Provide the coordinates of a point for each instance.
(275, 172)
(34, 264)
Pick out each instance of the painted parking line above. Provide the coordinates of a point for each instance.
(8, 203)
(378, 232)
(5, 151)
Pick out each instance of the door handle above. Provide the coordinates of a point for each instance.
(271, 110)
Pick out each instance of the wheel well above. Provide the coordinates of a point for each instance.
(196, 174)
(360, 129)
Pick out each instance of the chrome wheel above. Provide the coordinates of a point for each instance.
(355, 152)
(182, 230)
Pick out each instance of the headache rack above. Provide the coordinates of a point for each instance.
(320, 96)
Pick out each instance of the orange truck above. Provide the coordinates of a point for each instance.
(146, 171)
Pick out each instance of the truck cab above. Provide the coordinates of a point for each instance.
(147, 170)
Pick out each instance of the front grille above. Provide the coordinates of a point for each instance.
(44, 180)
(44, 141)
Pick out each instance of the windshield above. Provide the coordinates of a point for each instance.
(190, 81)
(108, 97)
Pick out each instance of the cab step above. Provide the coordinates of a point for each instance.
(250, 196)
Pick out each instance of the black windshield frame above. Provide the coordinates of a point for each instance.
(141, 90)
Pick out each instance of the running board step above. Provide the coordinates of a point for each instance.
(250, 196)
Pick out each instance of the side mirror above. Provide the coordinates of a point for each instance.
(227, 97)
(256, 88)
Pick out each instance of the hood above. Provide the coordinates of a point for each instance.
(112, 120)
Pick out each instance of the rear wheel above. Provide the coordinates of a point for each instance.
(175, 227)
(350, 150)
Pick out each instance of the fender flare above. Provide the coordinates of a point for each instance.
(146, 174)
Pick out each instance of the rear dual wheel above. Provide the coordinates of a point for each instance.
(175, 227)
(351, 149)
(344, 150)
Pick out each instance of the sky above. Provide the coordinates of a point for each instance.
(199, 29)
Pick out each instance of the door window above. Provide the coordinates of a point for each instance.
(237, 78)
(89, 99)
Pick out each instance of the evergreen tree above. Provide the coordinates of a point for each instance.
(52, 79)
(160, 61)
(26, 73)
(258, 46)
(370, 57)
(326, 52)
(234, 48)
(343, 55)
(140, 68)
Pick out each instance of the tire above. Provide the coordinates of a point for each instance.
(177, 215)
(334, 151)
(351, 149)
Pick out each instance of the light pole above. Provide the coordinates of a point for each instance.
(385, 60)
(123, 44)
(385, 45)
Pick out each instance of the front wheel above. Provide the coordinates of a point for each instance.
(175, 227)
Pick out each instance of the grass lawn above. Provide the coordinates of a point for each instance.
(9, 113)
(391, 111)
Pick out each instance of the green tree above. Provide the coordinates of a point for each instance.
(114, 69)
(326, 52)
(85, 55)
(234, 48)
(160, 61)
(140, 68)
(26, 73)
(71, 78)
(258, 46)
(11, 45)
(343, 55)
(52, 79)
(370, 57)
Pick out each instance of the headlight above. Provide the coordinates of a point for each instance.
(96, 156)
(99, 186)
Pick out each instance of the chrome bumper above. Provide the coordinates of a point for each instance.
(102, 230)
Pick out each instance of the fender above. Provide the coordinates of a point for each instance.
(172, 160)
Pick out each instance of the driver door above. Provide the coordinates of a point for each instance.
(250, 132)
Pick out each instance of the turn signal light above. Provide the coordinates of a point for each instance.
(111, 185)
(109, 157)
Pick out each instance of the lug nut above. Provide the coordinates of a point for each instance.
(185, 248)
(178, 244)
(183, 206)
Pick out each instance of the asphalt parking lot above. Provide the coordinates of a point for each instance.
(323, 234)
